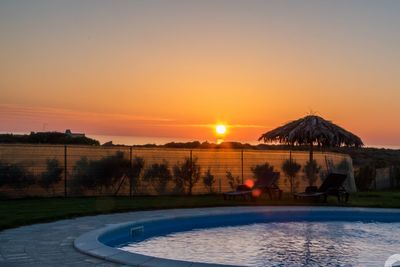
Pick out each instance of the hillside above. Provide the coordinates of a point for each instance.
(47, 138)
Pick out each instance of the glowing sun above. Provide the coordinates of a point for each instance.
(220, 129)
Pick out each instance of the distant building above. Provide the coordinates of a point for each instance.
(109, 143)
(71, 134)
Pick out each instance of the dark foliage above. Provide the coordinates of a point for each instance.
(364, 177)
(311, 169)
(81, 175)
(194, 144)
(134, 172)
(100, 174)
(47, 138)
(186, 175)
(262, 170)
(110, 170)
(158, 175)
(209, 180)
(233, 181)
(15, 176)
(51, 176)
(290, 168)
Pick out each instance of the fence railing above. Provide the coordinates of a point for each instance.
(25, 169)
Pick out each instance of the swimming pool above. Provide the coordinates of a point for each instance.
(257, 236)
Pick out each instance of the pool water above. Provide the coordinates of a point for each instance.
(279, 244)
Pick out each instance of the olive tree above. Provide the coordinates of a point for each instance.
(209, 180)
(290, 168)
(158, 175)
(187, 174)
(51, 176)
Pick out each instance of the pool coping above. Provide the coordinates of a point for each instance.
(88, 243)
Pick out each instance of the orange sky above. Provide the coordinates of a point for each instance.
(173, 68)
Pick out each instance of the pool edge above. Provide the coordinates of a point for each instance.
(88, 243)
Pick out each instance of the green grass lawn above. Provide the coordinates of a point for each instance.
(15, 213)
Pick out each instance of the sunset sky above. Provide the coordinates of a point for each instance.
(175, 68)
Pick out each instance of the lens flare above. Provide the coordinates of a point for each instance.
(249, 183)
(256, 192)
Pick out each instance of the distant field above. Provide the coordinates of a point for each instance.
(15, 213)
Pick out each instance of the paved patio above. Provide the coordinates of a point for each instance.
(51, 244)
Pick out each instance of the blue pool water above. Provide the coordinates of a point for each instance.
(336, 243)
(263, 236)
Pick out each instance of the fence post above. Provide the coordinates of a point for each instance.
(65, 171)
(130, 166)
(242, 166)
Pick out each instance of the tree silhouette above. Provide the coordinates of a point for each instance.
(100, 174)
(158, 175)
(134, 172)
(51, 176)
(290, 167)
(208, 180)
(262, 170)
(187, 174)
(233, 181)
(311, 169)
(15, 176)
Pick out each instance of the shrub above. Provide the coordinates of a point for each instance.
(158, 175)
(100, 174)
(342, 166)
(15, 176)
(208, 180)
(178, 181)
(290, 168)
(233, 181)
(262, 170)
(82, 177)
(110, 170)
(186, 175)
(364, 177)
(51, 176)
(134, 172)
(311, 169)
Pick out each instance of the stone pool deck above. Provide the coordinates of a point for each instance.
(51, 244)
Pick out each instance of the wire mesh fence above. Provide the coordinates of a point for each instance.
(58, 170)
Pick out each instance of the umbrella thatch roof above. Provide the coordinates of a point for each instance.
(312, 130)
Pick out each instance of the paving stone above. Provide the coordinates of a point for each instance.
(51, 244)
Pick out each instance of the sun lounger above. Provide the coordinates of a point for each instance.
(266, 185)
(332, 186)
(242, 191)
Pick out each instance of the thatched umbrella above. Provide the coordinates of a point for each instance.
(312, 130)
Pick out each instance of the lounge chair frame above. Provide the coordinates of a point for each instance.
(332, 186)
(267, 185)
